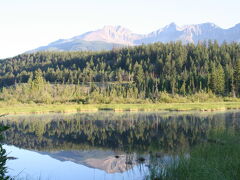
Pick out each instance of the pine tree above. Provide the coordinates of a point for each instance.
(237, 77)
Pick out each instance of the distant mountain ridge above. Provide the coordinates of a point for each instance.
(117, 36)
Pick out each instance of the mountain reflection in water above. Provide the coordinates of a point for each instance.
(115, 142)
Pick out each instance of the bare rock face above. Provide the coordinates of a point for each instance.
(112, 34)
(191, 34)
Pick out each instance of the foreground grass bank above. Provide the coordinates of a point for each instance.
(216, 159)
(73, 108)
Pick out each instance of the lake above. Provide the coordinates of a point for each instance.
(106, 145)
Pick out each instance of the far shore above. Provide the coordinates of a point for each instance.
(75, 108)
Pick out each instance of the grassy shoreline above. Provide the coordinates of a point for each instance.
(217, 159)
(74, 108)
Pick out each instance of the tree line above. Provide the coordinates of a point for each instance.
(142, 71)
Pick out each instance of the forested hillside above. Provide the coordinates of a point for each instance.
(143, 71)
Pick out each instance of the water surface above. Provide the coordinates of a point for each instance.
(105, 145)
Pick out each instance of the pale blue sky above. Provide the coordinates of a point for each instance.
(27, 24)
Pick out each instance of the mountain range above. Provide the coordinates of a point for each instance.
(110, 37)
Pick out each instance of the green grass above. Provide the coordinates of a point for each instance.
(73, 108)
(218, 160)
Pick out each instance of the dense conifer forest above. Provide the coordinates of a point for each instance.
(141, 72)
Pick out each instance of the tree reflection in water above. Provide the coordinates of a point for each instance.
(139, 138)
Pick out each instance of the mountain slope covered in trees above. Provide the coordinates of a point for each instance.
(142, 71)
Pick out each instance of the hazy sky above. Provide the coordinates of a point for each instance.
(27, 24)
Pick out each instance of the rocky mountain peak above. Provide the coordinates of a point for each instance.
(119, 29)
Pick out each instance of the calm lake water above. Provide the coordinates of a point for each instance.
(105, 145)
